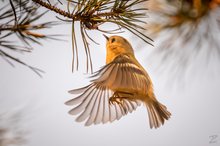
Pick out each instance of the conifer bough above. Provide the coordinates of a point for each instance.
(93, 13)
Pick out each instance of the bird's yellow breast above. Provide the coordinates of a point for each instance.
(113, 52)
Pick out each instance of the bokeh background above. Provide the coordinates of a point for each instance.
(33, 108)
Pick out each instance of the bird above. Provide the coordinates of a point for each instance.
(117, 89)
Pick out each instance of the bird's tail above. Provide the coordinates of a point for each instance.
(157, 113)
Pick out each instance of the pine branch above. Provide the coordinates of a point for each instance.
(19, 19)
(188, 25)
(93, 13)
(11, 132)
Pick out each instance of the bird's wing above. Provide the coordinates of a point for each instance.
(92, 103)
(124, 73)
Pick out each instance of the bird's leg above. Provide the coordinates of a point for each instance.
(118, 97)
(115, 98)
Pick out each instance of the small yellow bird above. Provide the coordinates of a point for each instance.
(118, 88)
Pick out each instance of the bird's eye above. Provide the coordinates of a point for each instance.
(113, 40)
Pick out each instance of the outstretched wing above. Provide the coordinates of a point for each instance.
(92, 103)
(124, 73)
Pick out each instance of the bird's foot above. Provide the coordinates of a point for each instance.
(115, 99)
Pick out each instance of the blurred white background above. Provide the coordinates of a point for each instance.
(192, 98)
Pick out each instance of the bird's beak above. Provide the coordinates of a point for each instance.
(107, 38)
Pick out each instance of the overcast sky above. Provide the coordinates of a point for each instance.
(193, 100)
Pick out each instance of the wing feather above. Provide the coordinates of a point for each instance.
(105, 74)
(82, 105)
(79, 90)
(129, 77)
(106, 116)
(129, 106)
(82, 96)
(123, 108)
(123, 81)
(112, 77)
(113, 114)
(88, 108)
(133, 81)
(118, 111)
(93, 111)
(135, 104)
(99, 114)
(119, 79)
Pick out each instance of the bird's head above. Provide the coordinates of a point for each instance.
(118, 45)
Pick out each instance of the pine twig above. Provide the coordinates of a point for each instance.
(19, 19)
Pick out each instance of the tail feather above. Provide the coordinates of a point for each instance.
(157, 113)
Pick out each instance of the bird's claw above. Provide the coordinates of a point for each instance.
(115, 100)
